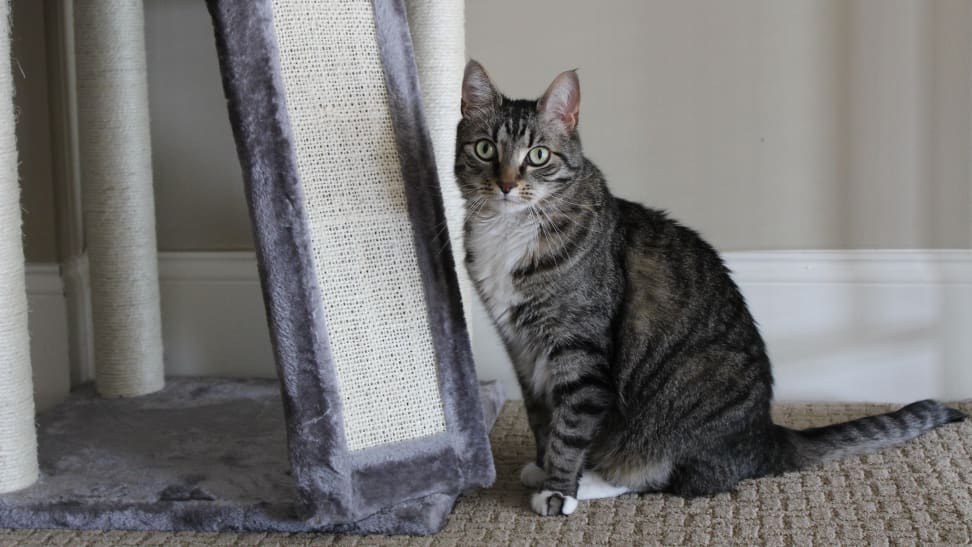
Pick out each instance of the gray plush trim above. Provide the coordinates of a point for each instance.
(378, 489)
(312, 404)
(444, 302)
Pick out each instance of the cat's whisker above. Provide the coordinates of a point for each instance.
(561, 201)
(538, 235)
(445, 225)
(565, 249)
(559, 233)
(586, 227)
(560, 197)
(467, 214)
(471, 212)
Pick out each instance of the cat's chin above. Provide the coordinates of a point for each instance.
(508, 205)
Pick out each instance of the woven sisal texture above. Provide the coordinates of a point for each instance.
(916, 494)
(117, 198)
(376, 316)
(18, 442)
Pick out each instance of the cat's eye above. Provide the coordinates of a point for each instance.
(538, 156)
(485, 150)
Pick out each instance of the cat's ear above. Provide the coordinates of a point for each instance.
(561, 101)
(478, 92)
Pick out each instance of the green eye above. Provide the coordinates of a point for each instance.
(538, 156)
(485, 149)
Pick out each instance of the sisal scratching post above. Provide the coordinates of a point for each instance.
(119, 211)
(18, 441)
(438, 38)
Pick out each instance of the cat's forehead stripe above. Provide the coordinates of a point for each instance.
(516, 126)
(506, 144)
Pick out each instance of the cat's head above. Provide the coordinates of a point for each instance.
(513, 153)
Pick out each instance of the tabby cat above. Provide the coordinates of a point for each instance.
(641, 367)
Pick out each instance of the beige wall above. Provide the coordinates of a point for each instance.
(199, 195)
(198, 189)
(33, 130)
(765, 124)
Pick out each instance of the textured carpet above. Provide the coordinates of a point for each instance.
(916, 494)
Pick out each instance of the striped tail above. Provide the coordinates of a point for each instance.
(806, 447)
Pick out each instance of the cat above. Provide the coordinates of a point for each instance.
(641, 367)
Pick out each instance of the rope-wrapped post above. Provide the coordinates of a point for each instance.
(18, 440)
(117, 199)
(439, 41)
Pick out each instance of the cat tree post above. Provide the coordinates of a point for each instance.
(118, 204)
(18, 441)
(439, 40)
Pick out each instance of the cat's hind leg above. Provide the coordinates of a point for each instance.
(708, 476)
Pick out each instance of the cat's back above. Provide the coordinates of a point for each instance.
(674, 278)
(653, 239)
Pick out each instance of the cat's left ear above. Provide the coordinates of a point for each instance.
(478, 92)
(562, 100)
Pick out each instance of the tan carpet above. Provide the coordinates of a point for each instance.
(918, 494)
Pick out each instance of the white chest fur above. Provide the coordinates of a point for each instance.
(499, 245)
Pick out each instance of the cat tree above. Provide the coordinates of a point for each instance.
(381, 424)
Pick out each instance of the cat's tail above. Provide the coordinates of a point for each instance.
(802, 448)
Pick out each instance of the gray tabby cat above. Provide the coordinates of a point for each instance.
(641, 367)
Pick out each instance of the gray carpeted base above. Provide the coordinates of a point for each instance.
(203, 454)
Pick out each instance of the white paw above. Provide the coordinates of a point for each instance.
(549, 503)
(532, 476)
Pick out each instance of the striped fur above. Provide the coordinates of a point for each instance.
(640, 363)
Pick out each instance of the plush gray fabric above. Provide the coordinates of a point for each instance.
(203, 454)
(383, 484)
(432, 244)
(258, 116)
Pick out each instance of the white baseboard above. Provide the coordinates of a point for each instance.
(77, 304)
(863, 325)
(843, 325)
(213, 320)
(840, 325)
(47, 318)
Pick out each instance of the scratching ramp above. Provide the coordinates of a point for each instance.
(363, 260)
(381, 424)
(360, 285)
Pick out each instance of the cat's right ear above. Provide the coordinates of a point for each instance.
(478, 92)
(562, 100)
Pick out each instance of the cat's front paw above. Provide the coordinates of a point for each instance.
(548, 503)
(532, 476)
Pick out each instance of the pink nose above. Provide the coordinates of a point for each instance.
(506, 186)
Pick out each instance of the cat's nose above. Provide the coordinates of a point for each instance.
(505, 187)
